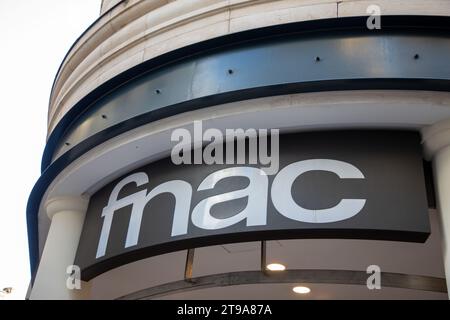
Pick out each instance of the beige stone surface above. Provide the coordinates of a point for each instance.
(139, 30)
(107, 5)
(240, 21)
(349, 8)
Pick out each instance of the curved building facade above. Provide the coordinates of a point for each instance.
(194, 143)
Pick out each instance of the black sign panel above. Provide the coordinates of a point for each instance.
(344, 184)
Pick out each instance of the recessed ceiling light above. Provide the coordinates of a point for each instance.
(301, 290)
(276, 267)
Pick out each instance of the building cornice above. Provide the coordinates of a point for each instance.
(136, 31)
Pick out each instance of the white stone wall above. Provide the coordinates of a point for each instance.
(139, 30)
(108, 4)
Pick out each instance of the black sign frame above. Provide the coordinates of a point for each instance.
(393, 185)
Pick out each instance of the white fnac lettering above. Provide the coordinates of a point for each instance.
(256, 193)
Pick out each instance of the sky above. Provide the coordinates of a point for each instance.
(35, 35)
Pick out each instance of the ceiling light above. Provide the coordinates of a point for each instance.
(301, 290)
(276, 267)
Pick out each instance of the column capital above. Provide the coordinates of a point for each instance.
(436, 137)
(66, 203)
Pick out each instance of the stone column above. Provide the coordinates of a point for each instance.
(436, 140)
(67, 217)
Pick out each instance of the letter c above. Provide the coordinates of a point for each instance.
(281, 192)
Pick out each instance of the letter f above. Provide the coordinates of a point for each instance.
(137, 200)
